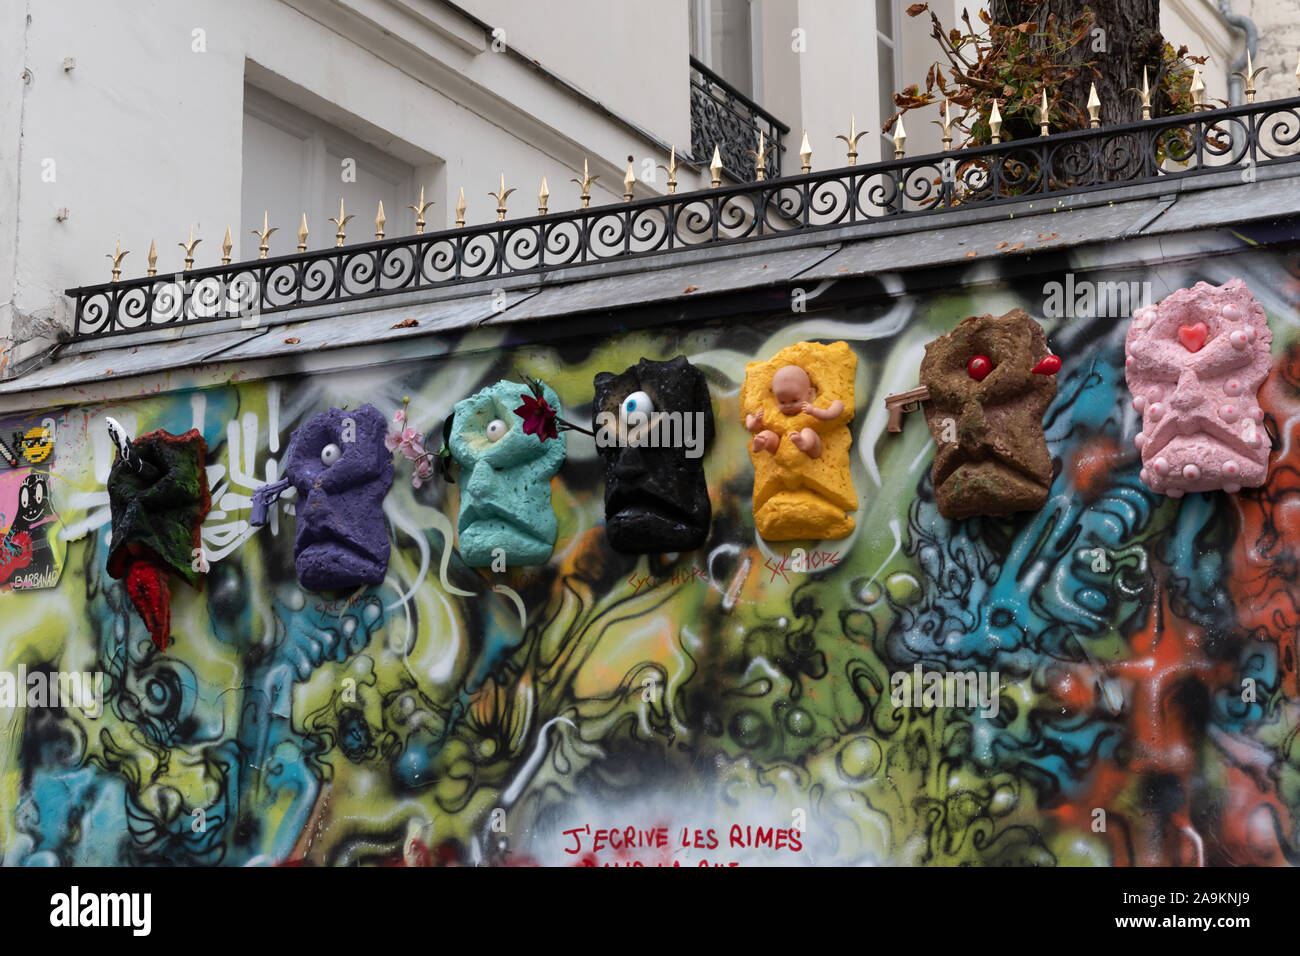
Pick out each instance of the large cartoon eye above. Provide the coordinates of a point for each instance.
(638, 402)
(22, 499)
(497, 429)
(330, 454)
(40, 492)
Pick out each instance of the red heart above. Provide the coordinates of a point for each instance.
(1193, 336)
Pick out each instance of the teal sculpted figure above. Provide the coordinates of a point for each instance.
(505, 440)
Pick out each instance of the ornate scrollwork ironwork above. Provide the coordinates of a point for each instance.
(722, 116)
(1243, 138)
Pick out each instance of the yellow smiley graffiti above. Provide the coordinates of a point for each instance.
(37, 444)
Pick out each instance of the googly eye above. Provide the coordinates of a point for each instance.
(497, 429)
(638, 402)
(330, 454)
(40, 493)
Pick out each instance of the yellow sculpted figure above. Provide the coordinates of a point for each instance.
(798, 405)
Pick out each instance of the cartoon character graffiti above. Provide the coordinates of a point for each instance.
(1194, 364)
(989, 381)
(158, 496)
(656, 499)
(505, 488)
(26, 543)
(802, 484)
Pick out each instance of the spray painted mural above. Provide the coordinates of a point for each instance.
(750, 702)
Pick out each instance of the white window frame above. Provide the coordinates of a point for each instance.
(322, 138)
(894, 46)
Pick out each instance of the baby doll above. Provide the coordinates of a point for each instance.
(794, 393)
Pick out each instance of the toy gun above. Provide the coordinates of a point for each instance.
(263, 498)
(901, 402)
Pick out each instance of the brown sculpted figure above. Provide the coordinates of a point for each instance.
(794, 393)
(990, 380)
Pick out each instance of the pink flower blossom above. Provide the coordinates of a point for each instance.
(423, 472)
(408, 441)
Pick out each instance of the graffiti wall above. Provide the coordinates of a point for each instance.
(745, 702)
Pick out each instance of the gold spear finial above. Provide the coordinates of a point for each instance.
(584, 184)
(302, 234)
(153, 259)
(1197, 90)
(947, 125)
(1094, 108)
(419, 211)
(117, 255)
(341, 222)
(1042, 114)
(379, 222)
(265, 234)
(805, 154)
(460, 209)
(995, 123)
(226, 245)
(501, 195)
(852, 139)
(1144, 93)
(900, 139)
(671, 170)
(629, 181)
(715, 168)
(543, 195)
(1251, 73)
(760, 157)
(189, 250)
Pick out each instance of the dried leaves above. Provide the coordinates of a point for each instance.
(1012, 64)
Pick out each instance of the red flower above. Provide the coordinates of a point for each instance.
(539, 418)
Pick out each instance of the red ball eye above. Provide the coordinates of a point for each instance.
(979, 367)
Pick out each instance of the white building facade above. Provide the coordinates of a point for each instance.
(144, 121)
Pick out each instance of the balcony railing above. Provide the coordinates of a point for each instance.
(723, 116)
(1247, 138)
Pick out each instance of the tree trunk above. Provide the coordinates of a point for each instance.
(1129, 39)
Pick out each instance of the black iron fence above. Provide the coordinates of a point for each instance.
(724, 117)
(1246, 138)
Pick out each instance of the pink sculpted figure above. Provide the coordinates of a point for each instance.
(1194, 363)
